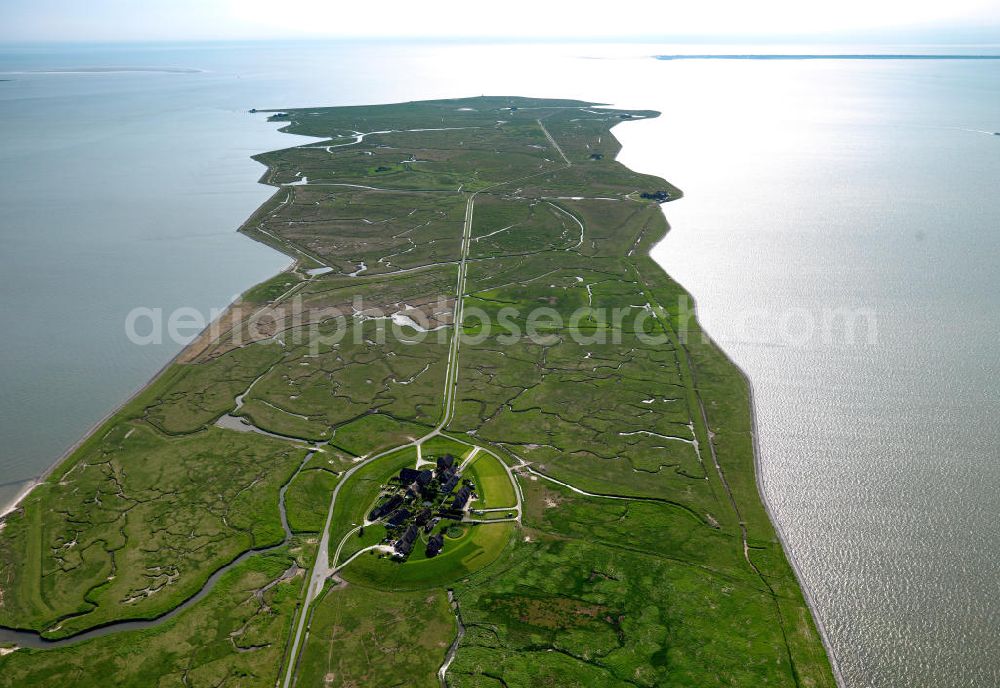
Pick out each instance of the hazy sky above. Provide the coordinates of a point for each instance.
(127, 20)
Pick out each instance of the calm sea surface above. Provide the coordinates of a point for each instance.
(817, 193)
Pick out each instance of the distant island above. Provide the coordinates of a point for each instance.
(115, 70)
(470, 438)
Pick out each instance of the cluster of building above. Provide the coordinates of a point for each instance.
(658, 196)
(420, 499)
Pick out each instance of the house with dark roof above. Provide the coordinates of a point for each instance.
(398, 518)
(445, 463)
(435, 544)
(424, 478)
(461, 498)
(450, 484)
(404, 545)
(385, 507)
(424, 516)
(408, 475)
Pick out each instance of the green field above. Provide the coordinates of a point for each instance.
(365, 637)
(360, 493)
(488, 281)
(308, 498)
(477, 547)
(440, 445)
(494, 487)
(375, 433)
(268, 291)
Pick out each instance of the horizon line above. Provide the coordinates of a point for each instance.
(825, 56)
(725, 39)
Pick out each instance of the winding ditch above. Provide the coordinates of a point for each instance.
(34, 639)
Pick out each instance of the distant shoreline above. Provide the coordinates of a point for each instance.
(107, 70)
(820, 56)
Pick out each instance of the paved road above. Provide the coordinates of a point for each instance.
(321, 568)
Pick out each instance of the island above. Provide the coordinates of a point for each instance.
(473, 437)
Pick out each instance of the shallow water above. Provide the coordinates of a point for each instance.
(868, 186)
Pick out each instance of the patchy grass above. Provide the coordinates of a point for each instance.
(440, 445)
(364, 637)
(376, 432)
(271, 289)
(574, 613)
(232, 636)
(141, 525)
(308, 498)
